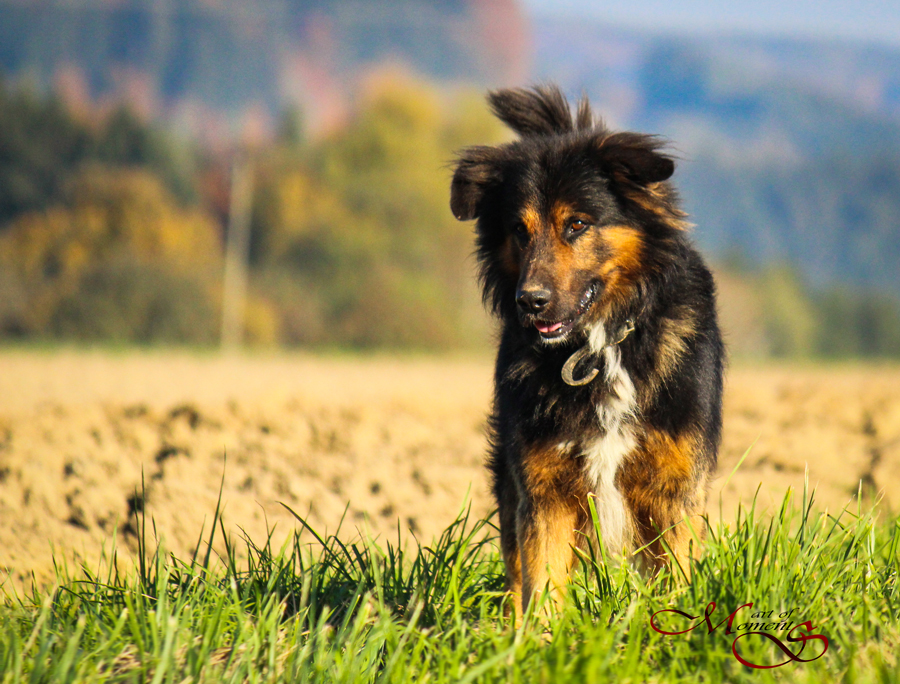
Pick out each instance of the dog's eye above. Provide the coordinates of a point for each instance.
(520, 232)
(576, 226)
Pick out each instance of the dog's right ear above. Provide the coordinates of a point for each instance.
(476, 169)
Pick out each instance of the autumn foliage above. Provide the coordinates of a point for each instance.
(352, 241)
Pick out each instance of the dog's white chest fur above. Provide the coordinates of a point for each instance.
(604, 455)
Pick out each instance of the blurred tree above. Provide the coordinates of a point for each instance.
(119, 260)
(353, 235)
(42, 145)
(128, 300)
(855, 323)
(126, 140)
(771, 312)
(790, 318)
(291, 132)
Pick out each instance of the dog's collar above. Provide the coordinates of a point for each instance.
(568, 369)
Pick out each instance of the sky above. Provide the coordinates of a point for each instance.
(868, 20)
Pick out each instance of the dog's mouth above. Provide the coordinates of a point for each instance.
(555, 330)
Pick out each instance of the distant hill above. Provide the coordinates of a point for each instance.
(815, 94)
(790, 148)
(196, 60)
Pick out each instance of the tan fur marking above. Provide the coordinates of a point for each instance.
(671, 459)
(625, 246)
(564, 257)
(547, 541)
(550, 522)
(659, 484)
(531, 218)
(675, 332)
(673, 340)
(560, 215)
(657, 199)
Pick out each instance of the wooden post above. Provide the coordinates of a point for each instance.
(237, 252)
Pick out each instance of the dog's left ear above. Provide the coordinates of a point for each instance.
(476, 169)
(634, 157)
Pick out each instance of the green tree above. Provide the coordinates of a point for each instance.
(120, 259)
(790, 318)
(42, 146)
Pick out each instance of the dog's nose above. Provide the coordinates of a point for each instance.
(533, 301)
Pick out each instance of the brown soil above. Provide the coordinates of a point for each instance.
(379, 442)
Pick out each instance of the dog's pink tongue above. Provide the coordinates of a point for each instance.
(548, 328)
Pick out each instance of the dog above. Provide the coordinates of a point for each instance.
(608, 378)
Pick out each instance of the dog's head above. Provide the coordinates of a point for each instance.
(569, 215)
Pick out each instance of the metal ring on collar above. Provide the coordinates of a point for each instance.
(568, 369)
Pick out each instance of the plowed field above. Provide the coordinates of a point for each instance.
(380, 443)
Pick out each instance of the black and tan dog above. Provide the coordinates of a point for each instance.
(608, 379)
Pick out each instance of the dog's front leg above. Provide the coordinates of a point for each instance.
(508, 505)
(665, 484)
(550, 515)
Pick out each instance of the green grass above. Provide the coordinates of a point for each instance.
(360, 612)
